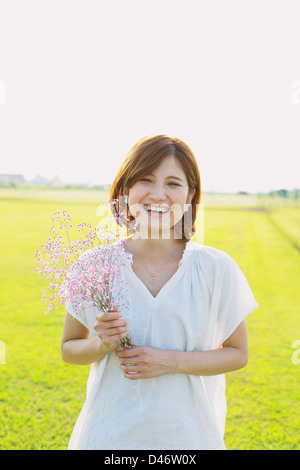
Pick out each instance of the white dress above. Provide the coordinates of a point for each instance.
(196, 310)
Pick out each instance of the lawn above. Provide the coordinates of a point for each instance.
(40, 396)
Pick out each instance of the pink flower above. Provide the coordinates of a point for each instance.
(92, 280)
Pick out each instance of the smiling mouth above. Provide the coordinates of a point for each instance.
(156, 210)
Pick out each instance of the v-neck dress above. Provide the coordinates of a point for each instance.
(196, 310)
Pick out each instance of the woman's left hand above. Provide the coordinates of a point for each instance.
(145, 361)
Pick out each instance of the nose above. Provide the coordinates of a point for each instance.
(157, 193)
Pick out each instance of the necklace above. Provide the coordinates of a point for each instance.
(153, 276)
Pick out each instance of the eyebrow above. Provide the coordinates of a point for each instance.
(175, 177)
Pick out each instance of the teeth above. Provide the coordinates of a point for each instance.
(156, 209)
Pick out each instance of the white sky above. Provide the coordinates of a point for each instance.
(84, 80)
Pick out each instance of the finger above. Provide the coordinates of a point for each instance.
(128, 352)
(114, 334)
(111, 324)
(128, 360)
(130, 368)
(106, 339)
(106, 316)
(136, 376)
(116, 331)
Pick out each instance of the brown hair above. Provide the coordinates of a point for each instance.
(144, 157)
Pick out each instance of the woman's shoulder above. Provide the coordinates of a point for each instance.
(99, 248)
(112, 252)
(92, 256)
(210, 265)
(209, 260)
(208, 253)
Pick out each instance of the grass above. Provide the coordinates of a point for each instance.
(41, 397)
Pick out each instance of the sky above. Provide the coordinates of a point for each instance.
(82, 81)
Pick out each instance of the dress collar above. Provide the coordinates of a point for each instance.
(190, 247)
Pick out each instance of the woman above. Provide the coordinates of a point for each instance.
(186, 319)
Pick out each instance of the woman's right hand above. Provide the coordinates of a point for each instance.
(111, 328)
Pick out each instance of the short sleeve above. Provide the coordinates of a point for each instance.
(82, 281)
(236, 300)
(74, 304)
(77, 312)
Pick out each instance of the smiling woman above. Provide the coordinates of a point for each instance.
(157, 204)
(185, 316)
(179, 174)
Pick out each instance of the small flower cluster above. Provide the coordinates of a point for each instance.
(85, 271)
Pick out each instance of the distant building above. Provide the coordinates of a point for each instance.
(56, 182)
(39, 181)
(19, 180)
(7, 179)
(42, 181)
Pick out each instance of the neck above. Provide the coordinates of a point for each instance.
(152, 250)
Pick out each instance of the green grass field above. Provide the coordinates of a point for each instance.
(40, 396)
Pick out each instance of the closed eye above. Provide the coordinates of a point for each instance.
(149, 181)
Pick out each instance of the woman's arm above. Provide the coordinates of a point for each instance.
(77, 348)
(231, 356)
(148, 362)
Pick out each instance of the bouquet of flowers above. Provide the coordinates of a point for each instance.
(85, 281)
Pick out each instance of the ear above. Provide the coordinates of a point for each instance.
(190, 196)
(125, 196)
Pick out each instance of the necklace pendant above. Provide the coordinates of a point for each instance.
(152, 279)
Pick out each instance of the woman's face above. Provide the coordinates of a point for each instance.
(157, 200)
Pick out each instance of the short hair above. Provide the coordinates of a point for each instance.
(144, 157)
